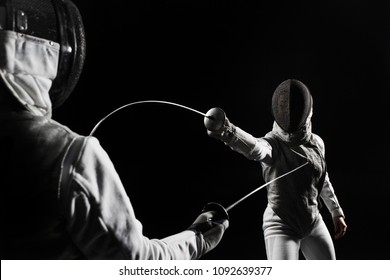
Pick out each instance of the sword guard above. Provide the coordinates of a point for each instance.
(220, 211)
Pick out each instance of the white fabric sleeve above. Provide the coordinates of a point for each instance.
(330, 199)
(251, 147)
(328, 194)
(101, 219)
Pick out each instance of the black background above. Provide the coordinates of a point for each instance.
(232, 54)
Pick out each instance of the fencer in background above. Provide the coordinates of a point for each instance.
(292, 219)
(61, 197)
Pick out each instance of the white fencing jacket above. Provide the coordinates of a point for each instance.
(61, 197)
(296, 197)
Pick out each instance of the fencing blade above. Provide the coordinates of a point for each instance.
(263, 186)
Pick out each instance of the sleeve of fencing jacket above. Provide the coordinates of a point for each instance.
(101, 220)
(251, 147)
(329, 197)
(328, 194)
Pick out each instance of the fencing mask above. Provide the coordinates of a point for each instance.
(55, 20)
(291, 105)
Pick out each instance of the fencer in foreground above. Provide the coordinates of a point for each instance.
(292, 219)
(61, 197)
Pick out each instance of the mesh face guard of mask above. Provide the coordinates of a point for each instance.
(291, 105)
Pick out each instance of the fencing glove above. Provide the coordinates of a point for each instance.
(211, 225)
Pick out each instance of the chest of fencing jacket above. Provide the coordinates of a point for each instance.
(295, 198)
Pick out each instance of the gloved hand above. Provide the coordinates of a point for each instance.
(211, 225)
(218, 125)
